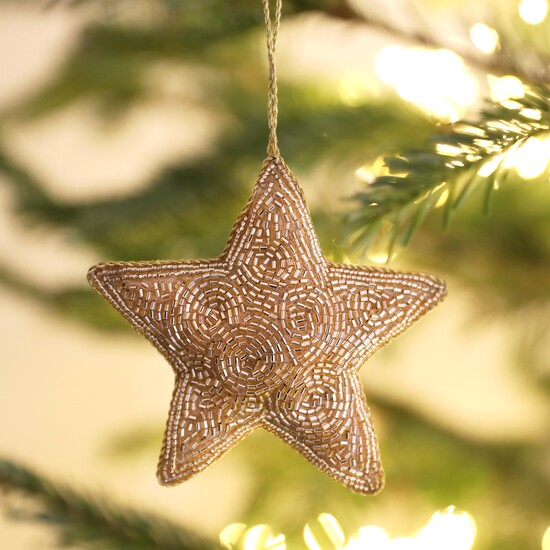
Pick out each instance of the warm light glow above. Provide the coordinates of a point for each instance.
(371, 537)
(449, 150)
(435, 80)
(506, 87)
(511, 104)
(450, 529)
(365, 173)
(259, 537)
(230, 535)
(389, 62)
(533, 114)
(546, 540)
(442, 198)
(404, 543)
(531, 159)
(490, 166)
(372, 170)
(484, 38)
(533, 11)
(325, 528)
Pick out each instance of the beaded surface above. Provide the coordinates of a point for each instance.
(271, 335)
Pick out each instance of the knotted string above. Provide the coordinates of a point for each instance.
(272, 33)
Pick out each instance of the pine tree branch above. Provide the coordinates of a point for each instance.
(95, 523)
(447, 169)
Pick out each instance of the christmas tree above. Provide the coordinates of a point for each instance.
(420, 131)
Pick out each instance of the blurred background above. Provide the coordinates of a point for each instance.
(135, 130)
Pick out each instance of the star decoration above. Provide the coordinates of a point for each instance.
(270, 335)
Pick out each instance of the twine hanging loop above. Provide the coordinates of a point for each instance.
(272, 34)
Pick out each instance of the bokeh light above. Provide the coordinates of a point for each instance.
(443, 198)
(437, 81)
(546, 540)
(484, 38)
(533, 114)
(372, 537)
(372, 170)
(531, 159)
(323, 533)
(533, 11)
(490, 166)
(448, 529)
(403, 543)
(506, 87)
(259, 537)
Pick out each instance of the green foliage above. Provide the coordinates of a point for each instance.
(448, 168)
(91, 522)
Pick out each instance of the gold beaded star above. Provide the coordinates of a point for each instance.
(270, 335)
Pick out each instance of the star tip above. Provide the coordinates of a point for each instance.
(163, 482)
(380, 487)
(441, 289)
(165, 479)
(101, 273)
(436, 288)
(96, 274)
(92, 275)
(270, 164)
(275, 163)
(372, 486)
(169, 475)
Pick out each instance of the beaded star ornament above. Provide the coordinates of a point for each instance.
(269, 334)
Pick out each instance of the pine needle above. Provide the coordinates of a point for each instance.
(453, 156)
(95, 522)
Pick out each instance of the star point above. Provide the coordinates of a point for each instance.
(271, 335)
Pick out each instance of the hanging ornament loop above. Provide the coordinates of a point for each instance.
(272, 34)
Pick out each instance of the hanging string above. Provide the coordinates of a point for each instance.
(272, 33)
